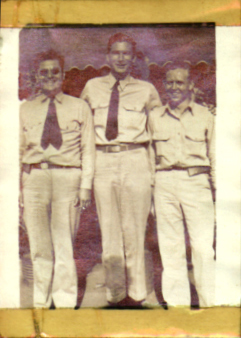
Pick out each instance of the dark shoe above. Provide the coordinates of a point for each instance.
(119, 305)
(164, 305)
(195, 307)
(52, 306)
(126, 303)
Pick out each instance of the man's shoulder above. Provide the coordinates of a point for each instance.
(68, 99)
(142, 83)
(198, 106)
(162, 109)
(200, 110)
(157, 113)
(31, 101)
(97, 80)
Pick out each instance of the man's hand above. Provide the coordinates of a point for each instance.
(84, 199)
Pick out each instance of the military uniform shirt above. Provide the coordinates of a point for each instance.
(185, 141)
(136, 99)
(76, 125)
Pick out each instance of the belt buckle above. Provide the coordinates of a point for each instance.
(115, 149)
(44, 165)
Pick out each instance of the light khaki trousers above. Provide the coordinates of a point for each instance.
(178, 196)
(122, 189)
(52, 222)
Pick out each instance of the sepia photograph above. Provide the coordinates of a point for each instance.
(131, 111)
(119, 202)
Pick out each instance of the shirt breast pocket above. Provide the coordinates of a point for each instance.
(71, 127)
(100, 111)
(162, 142)
(32, 132)
(133, 115)
(196, 143)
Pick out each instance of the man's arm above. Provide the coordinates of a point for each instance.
(211, 148)
(151, 151)
(154, 100)
(153, 107)
(88, 156)
(85, 93)
(22, 146)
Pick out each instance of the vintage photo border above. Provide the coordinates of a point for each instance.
(128, 323)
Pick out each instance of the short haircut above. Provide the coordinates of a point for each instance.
(179, 64)
(121, 37)
(48, 55)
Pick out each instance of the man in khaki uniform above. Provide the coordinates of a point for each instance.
(122, 181)
(183, 138)
(57, 153)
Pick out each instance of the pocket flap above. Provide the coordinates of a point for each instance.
(134, 106)
(99, 105)
(71, 126)
(196, 136)
(30, 126)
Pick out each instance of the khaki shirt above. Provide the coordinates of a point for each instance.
(76, 125)
(185, 141)
(137, 99)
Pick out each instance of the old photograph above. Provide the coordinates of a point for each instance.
(117, 158)
(107, 118)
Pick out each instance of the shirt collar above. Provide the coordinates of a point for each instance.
(58, 97)
(189, 108)
(112, 80)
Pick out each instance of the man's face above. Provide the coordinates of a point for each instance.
(120, 58)
(50, 76)
(178, 85)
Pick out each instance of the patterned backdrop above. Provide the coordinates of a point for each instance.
(84, 49)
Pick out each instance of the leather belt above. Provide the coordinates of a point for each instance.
(44, 165)
(192, 171)
(120, 147)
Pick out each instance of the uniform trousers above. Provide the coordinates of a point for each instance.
(52, 222)
(178, 196)
(122, 187)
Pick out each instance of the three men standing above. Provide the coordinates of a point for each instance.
(184, 142)
(122, 182)
(57, 153)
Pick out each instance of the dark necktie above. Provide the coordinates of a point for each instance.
(112, 120)
(51, 133)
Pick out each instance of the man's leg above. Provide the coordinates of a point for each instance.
(171, 239)
(107, 196)
(64, 226)
(198, 209)
(135, 207)
(37, 194)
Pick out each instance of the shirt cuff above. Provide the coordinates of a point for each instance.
(86, 183)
